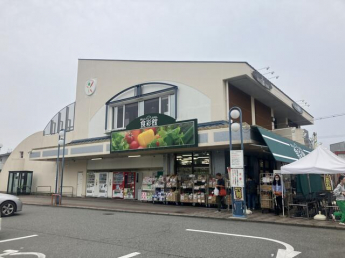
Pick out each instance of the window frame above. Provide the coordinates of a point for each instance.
(123, 104)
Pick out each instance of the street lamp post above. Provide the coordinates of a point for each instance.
(57, 172)
(62, 141)
(237, 175)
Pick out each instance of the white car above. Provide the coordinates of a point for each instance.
(9, 204)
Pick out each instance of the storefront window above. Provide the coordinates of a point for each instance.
(131, 112)
(119, 119)
(165, 106)
(64, 119)
(193, 163)
(151, 106)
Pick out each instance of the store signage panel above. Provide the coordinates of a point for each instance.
(262, 80)
(297, 108)
(237, 178)
(175, 135)
(150, 120)
(236, 159)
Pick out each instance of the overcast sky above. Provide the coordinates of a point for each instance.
(41, 41)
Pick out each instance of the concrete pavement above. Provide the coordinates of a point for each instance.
(173, 210)
(83, 233)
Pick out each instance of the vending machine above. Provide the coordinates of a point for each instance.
(129, 185)
(118, 184)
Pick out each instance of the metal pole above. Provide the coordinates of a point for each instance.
(230, 148)
(283, 187)
(244, 174)
(63, 162)
(57, 168)
(230, 139)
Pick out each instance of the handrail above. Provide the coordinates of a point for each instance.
(50, 188)
(71, 193)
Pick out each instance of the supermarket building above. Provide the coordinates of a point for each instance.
(111, 94)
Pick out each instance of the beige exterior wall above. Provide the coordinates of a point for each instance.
(115, 76)
(43, 172)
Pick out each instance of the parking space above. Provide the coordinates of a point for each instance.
(61, 232)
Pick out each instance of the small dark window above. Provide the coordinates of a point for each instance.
(119, 117)
(151, 106)
(22, 154)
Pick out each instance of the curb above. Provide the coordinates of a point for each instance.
(241, 220)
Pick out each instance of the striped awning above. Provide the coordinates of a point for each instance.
(283, 149)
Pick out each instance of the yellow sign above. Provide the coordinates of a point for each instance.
(238, 194)
(328, 183)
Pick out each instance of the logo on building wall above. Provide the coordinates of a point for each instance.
(148, 121)
(298, 150)
(297, 108)
(90, 86)
(262, 80)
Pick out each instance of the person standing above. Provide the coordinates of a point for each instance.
(278, 188)
(220, 185)
(339, 192)
(251, 189)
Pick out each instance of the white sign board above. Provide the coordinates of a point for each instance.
(236, 159)
(237, 178)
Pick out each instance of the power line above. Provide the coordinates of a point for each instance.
(331, 116)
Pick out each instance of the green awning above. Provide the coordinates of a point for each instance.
(283, 149)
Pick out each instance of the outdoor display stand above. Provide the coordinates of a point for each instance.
(211, 198)
(266, 194)
(186, 189)
(147, 189)
(159, 190)
(172, 193)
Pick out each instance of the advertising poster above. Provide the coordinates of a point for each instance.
(180, 134)
(238, 194)
(328, 183)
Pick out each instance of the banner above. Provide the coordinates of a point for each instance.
(180, 134)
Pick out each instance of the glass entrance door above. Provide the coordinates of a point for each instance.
(19, 182)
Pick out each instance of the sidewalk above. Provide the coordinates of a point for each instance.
(173, 210)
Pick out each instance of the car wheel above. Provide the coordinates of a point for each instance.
(7, 209)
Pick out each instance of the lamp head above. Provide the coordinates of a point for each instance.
(234, 114)
(235, 127)
(62, 133)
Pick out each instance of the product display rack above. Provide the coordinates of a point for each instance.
(147, 189)
(159, 190)
(266, 194)
(172, 190)
(186, 188)
(200, 189)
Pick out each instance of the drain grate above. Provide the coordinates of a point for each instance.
(108, 213)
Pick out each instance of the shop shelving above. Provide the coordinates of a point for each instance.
(266, 194)
(147, 189)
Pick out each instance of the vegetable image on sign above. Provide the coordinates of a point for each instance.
(182, 134)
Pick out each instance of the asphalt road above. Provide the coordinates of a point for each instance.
(65, 232)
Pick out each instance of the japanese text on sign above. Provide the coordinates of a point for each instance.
(237, 177)
(236, 159)
(148, 122)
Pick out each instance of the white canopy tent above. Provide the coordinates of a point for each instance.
(319, 161)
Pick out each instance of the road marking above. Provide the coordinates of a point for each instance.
(16, 253)
(19, 238)
(289, 252)
(130, 255)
